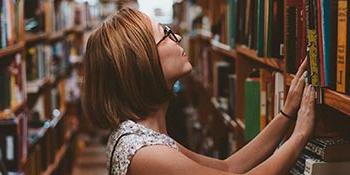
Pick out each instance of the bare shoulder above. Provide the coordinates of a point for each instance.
(162, 160)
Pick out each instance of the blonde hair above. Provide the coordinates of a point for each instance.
(123, 75)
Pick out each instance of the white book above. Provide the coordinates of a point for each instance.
(318, 167)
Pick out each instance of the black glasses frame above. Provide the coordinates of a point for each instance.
(169, 33)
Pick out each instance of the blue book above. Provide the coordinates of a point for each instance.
(325, 11)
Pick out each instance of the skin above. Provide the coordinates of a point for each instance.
(257, 157)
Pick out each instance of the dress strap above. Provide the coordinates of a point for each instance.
(115, 145)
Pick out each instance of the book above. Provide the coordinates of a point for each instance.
(341, 47)
(232, 78)
(260, 28)
(232, 22)
(318, 167)
(13, 144)
(329, 149)
(5, 89)
(279, 92)
(312, 40)
(251, 108)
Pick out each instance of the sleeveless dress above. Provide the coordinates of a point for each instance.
(131, 137)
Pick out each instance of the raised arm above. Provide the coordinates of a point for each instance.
(264, 144)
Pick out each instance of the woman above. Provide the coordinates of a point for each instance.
(130, 66)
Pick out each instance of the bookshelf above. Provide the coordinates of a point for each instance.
(12, 49)
(251, 52)
(331, 98)
(37, 58)
(33, 38)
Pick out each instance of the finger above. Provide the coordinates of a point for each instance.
(305, 91)
(304, 98)
(312, 95)
(302, 68)
(301, 83)
(309, 94)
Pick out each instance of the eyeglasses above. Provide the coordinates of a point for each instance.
(169, 33)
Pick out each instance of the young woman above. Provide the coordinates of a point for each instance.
(130, 66)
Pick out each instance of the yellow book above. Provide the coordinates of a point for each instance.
(341, 50)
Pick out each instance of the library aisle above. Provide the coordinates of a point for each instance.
(91, 160)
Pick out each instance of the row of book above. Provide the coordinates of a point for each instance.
(12, 75)
(9, 22)
(256, 24)
(322, 27)
(324, 156)
(263, 95)
(56, 16)
(292, 29)
(30, 146)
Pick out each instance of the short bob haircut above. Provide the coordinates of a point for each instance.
(123, 77)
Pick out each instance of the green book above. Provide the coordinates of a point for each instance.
(232, 22)
(251, 108)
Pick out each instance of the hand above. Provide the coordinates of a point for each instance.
(295, 92)
(306, 114)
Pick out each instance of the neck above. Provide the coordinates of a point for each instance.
(156, 120)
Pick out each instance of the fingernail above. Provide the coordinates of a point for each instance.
(305, 74)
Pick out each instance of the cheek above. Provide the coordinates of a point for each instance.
(168, 64)
(174, 66)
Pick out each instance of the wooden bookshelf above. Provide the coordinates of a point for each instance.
(35, 37)
(56, 36)
(12, 49)
(75, 29)
(5, 114)
(58, 158)
(204, 34)
(36, 85)
(223, 49)
(336, 100)
(272, 63)
(230, 121)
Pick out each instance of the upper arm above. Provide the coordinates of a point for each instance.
(162, 160)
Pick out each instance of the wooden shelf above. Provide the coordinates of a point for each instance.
(75, 29)
(6, 114)
(223, 49)
(336, 100)
(204, 35)
(12, 49)
(56, 36)
(231, 122)
(35, 37)
(58, 158)
(36, 85)
(273, 63)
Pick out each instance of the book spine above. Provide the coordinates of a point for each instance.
(316, 149)
(320, 40)
(263, 99)
(252, 108)
(348, 55)
(3, 25)
(312, 42)
(291, 13)
(232, 22)
(341, 49)
(260, 30)
(326, 6)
